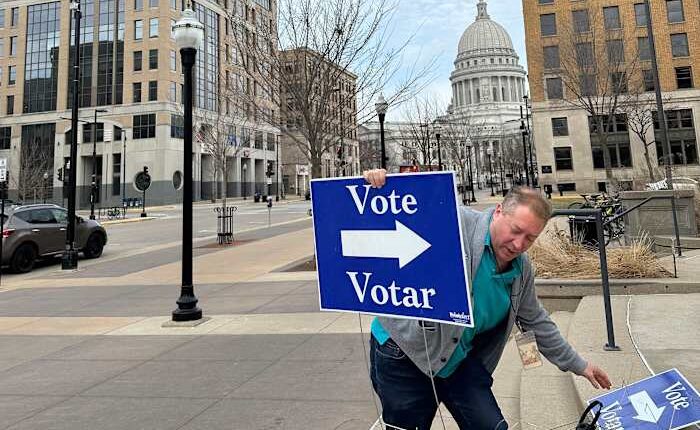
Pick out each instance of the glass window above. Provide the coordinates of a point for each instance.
(674, 10)
(616, 51)
(13, 46)
(206, 91)
(144, 126)
(640, 14)
(99, 132)
(551, 57)
(584, 54)
(2, 17)
(12, 75)
(684, 77)
(619, 82)
(560, 127)
(173, 4)
(116, 174)
(136, 89)
(138, 5)
(581, 21)
(14, 19)
(2, 47)
(562, 159)
(679, 45)
(10, 108)
(41, 57)
(138, 61)
(554, 89)
(177, 127)
(152, 3)
(5, 137)
(172, 94)
(173, 61)
(589, 85)
(643, 48)
(138, 29)
(153, 27)
(548, 24)
(153, 59)
(611, 17)
(152, 91)
(546, 1)
(648, 80)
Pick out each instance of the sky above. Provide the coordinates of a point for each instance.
(437, 26)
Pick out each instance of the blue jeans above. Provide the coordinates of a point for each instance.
(407, 397)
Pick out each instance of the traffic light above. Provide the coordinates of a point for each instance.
(270, 169)
(59, 174)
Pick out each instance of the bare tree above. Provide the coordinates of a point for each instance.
(418, 136)
(323, 58)
(455, 134)
(36, 160)
(599, 68)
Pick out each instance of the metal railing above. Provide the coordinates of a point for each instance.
(224, 224)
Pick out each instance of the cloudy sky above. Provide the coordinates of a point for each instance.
(438, 26)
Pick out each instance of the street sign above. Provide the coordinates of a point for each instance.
(394, 251)
(142, 181)
(3, 169)
(664, 401)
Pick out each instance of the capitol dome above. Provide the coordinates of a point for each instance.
(484, 35)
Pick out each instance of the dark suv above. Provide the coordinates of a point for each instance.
(37, 231)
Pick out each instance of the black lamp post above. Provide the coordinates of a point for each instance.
(245, 180)
(93, 183)
(189, 34)
(69, 260)
(471, 177)
(382, 106)
(46, 186)
(488, 154)
(503, 181)
(523, 132)
(438, 129)
(529, 139)
(277, 168)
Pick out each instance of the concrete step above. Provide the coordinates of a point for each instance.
(662, 244)
(547, 395)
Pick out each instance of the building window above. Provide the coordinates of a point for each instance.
(551, 57)
(643, 48)
(173, 61)
(13, 46)
(173, 4)
(589, 85)
(555, 90)
(172, 26)
(10, 108)
(152, 3)
(41, 58)
(153, 59)
(616, 51)
(206, 91)
(681, 137)
(116, 174)
(546, 1)
(5, 137)
(99, 132)
(138, 29)
(581, 22)
(640, 14)
(14, 19)
(560, 127)
(138, 61)
(548, 24)
(152, 91)
(674, 10)
(619, 82)
(136, 87)
(172, 94)
(138, 5)
(648, 80)
(144, 126)
(568, 186)
(684, 77)
(12, 75)
(2, 47)
(2, 18)
(679, 45)
(177, 126)
(153, 27)
(611, 17)
(584, 54)
(562, 159)
(617, 138)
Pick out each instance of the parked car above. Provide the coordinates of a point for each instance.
(38, 231)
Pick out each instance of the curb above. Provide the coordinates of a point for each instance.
(127, 221)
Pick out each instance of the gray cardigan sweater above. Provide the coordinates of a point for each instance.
(487, 347)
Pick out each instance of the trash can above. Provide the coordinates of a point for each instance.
(583, 230)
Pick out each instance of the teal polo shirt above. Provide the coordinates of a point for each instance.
(490, 302)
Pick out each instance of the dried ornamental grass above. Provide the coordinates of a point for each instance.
(554, 256)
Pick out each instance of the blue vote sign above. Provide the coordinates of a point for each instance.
(666, 401)
(395, 250)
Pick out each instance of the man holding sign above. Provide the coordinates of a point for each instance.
(414, 361)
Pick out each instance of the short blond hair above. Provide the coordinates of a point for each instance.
(529, 197)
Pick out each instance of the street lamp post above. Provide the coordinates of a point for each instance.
(503, 181)
(488, 154)
(438, 129)
(471, 177)
(529, 139)
(277, 168)
(69, 260)
(523, 133)
(93, 183)
(382, 106)
(245, 181)
(188, 33)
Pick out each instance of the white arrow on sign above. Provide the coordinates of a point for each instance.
(646, 408)
(401, 243)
